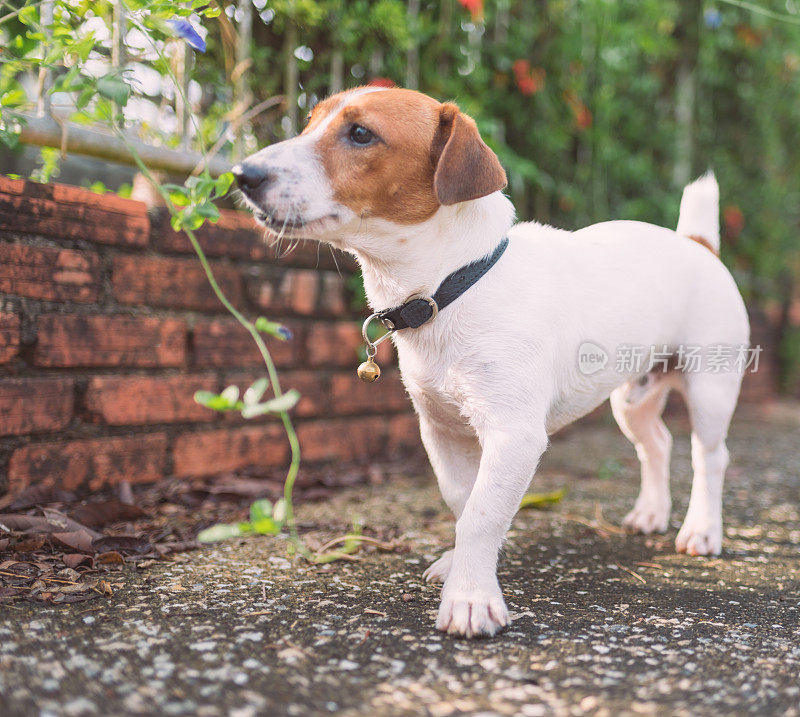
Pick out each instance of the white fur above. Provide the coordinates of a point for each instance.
(497, 371)
(695, 217)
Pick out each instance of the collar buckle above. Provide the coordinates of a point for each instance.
(430, 301)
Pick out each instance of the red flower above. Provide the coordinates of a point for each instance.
(734, 220)
(528, 80)
(475, 8)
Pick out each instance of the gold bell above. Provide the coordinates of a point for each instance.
(369, 371)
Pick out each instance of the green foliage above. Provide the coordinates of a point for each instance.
(194, 201)
(49, 168)
(265, 519)
(250, 405)
(542, 500)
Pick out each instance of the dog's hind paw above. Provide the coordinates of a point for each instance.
(473, 613)
(648, 518)
(438, 570)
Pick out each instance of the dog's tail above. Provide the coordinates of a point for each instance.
(699, 217)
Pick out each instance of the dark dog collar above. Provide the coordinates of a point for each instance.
(419, 310)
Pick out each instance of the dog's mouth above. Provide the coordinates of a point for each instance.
(295, 226)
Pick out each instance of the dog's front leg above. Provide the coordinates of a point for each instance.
(472, 603)
(455, 455)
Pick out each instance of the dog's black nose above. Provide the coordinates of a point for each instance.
(249, 177)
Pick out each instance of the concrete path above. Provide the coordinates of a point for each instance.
(604, 623)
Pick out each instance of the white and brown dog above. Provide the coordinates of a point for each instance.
(406, 184)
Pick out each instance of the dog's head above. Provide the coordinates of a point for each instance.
(392, 154)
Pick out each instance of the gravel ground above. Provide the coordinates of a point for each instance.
(604, 623)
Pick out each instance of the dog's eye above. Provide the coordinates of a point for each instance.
(361, 135)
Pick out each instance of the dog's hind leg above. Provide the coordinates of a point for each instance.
(637, 407)
(712, 399)
(455, 459)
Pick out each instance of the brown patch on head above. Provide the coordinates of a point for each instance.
(424, 154)
(702, 241)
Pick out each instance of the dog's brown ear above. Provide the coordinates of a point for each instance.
(465, 167)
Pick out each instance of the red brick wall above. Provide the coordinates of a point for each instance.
(108, 327)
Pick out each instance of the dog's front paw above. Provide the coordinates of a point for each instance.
(699, 536)
(648, 517)
(438, 570)
(472, 613)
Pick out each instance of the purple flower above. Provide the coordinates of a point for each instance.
(713, 18)
(183, 28)
(282, 332)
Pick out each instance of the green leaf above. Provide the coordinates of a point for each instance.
(55, 53)
(83, 47)
(542, 500)
(191, 220)
(276, 405)
(260, 510)
(256, 392)
(266, 526)
(12, 98)
(84, 97)
(114, 88)
(230, 394)
(222, 531)
(71, 81)
(178, 197)
(223, 183)
(215, 402)
(208, 211)
(28, 15)
(279, 511)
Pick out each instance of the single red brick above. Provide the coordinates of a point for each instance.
(11, 186)
(224, 342)
(212, 452)
(136, 400)
(34, 405)
(404, 433)
(334, 344)
(334, 293)
(181, 283)
(34, 215)
(49, 274)
(91, 340)
(297, 293)
(89, 463)
(349, 394)
(108, 202)
(343, 439)
(9, 336)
